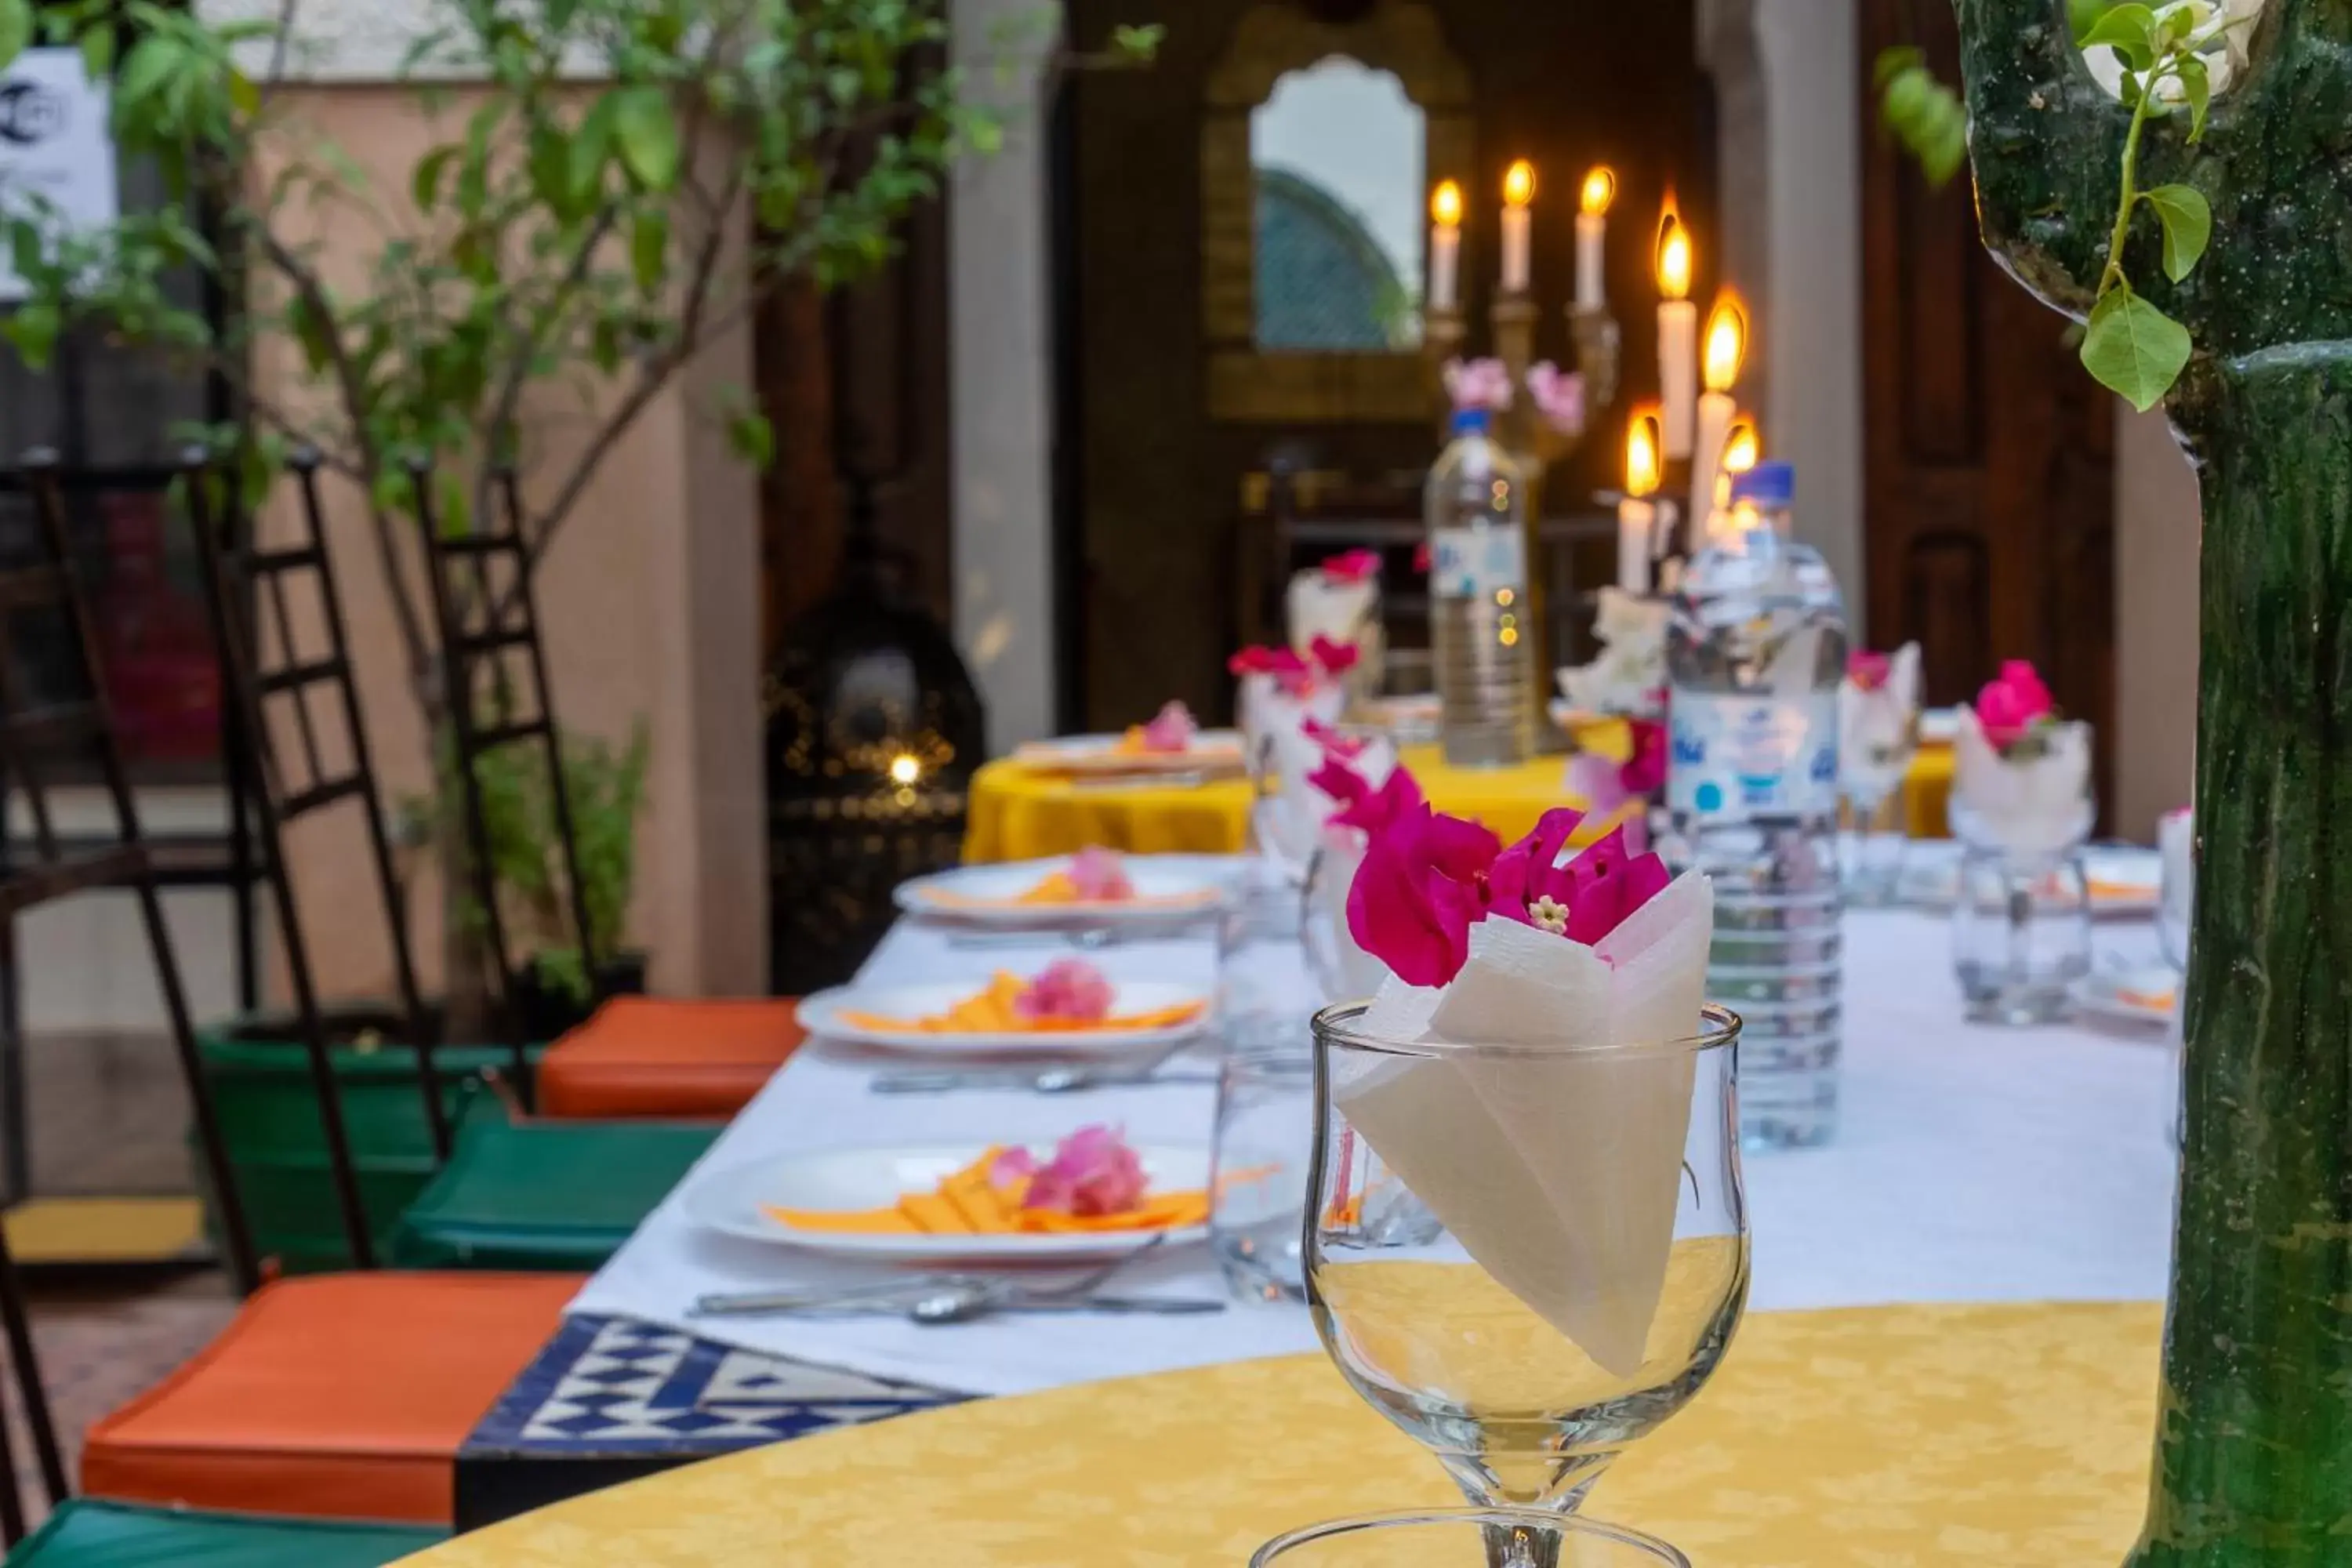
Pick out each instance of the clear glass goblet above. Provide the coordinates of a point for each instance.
(1870, 850)
(1466, 1538)
(1583, 1261)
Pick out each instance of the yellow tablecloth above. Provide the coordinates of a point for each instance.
(1893, 1437)
(1020, 814)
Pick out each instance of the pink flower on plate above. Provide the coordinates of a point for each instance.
(1420, 889)
(1071, 990)
(1373, 811)
(1353, 566)
(1333, 657)
(1585, 899)
(1093, 1171)
(1558, 397)
(1869, 670)
(2013, 704)
(1171, 731)
(1099, 876)
(1479, 384)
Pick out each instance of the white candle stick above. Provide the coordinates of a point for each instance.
(1637, 514)
(1677, 338)
(1591, 239)
(1445, 248)
(1518, 227)
(1716, 411)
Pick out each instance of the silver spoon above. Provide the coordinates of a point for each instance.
(969, 1303)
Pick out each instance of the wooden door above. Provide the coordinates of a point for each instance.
(1989, 453)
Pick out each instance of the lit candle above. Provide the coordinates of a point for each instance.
(1637, 513)
(1518, 195)
(1726, 352)
(1741, 452)
(1677, 337)
(1445, 247)
(1592, 238)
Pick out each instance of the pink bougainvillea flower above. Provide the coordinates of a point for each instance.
(1334, 659)
(1070, 990)
(1558, 397)
(1261, 661)
(1373, 811)
(1420, 889)
(1421, 557)
(2012, 703)
(1353, 566)
(1099, 876)
(1171, 731)
(1583, 900)
(1644, 772)
(1479, 384)
(1346, 748)
(1868, 670)
(1093, 1171)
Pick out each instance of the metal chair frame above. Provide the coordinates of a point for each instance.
(241, 575)
(32, 740)
(478, 623)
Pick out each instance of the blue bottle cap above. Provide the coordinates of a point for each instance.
(1469, 421)
(1767, 485)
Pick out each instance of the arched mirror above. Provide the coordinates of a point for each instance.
(1320, 143)
(1341, 156)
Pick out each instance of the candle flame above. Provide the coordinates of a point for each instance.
(1727, 342)
(1642, 470)
(1600, 190)
(1519, 183)
(1445, 205)
(1675, 263)
(1744, 448)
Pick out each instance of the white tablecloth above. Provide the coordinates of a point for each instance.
(1972, 1164)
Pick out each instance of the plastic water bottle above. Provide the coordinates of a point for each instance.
(1480, 635)
(1755, 651)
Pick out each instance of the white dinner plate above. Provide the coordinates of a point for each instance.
(1090, 756)
(821, 1015)
(2141, 995)
(1167, 888)
(2126, 880)
(735, 1202)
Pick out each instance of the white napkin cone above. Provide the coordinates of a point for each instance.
(2038, 805)
(1875, 739)
(1558, 1171)
(1632, 667)
(1349, 613)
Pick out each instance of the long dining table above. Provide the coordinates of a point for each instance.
(1972, 1164)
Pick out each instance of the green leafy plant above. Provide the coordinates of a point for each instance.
(605, 787)
(2167, 56)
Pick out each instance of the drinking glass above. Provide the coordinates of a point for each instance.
(1258, 1173)
(1263, 999)
(1584, 1260)
(1466, 1538)
(1870, 850)
(2020, 934)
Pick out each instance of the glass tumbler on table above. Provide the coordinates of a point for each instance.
(1587, 1260)
(1257, 1174)
(2021, 924)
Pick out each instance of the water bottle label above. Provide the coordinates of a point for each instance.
(1753, 755)
(1476, 563)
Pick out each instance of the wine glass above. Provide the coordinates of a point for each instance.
(1870, 850)
(1471, 1538)
(1586, 1261)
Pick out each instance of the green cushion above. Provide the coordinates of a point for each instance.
(554, 1195)
(89, 1535)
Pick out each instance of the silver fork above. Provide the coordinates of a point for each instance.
(898, 1295)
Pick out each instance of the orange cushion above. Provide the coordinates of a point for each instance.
(679, 1060)
(340, 1396)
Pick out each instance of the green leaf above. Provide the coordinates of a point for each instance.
(151, 59)
(425, 183)
(1138, 45)
(2188, 226)
(16, 28)
(315, 333)
(33, 330)
(244, 93)
(647, 133)
(752, 437)
(2196, 82)
(2129, 30)
(649, 250)
(2134, 348)
(2084, 14)
(98, 52)
(1895, 61)
(591, 143)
